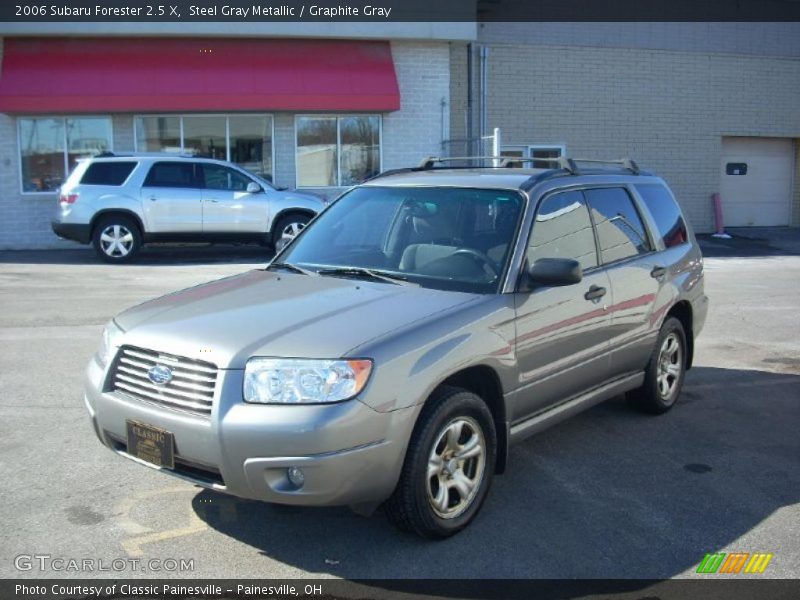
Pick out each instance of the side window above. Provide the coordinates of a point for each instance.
(171, 174)
(107, 173)
(620, 230)
(563, 229)
(666, 214)
(218, 177)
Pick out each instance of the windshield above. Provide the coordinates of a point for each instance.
(445, 238)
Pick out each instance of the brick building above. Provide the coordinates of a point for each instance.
(307, 110)
(712, 107)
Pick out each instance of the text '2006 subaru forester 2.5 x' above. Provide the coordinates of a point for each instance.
(392, 352)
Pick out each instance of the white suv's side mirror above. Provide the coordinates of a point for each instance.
(253, 188)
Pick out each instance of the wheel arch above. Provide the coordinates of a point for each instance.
(115, 211)
(682, 311)
(290, 211)
(483, 381)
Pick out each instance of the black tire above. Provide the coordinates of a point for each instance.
(294, 223)
(410, 507)
(651, 397)
(126, 229)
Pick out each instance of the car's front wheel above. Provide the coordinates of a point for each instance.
(287, 228)
(116, 238)
(448, 467)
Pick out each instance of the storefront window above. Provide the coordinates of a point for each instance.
(245, 140)
(87, 137)
(158, 134)
(51, 146)
(360, 148)
(316, 152)
(337, 151)
(205, 136)
(251, 143)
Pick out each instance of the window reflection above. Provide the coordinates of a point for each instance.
(563, 229)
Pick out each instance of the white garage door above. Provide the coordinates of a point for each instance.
(756, 175)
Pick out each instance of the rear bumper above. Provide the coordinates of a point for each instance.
(348, 452)
(72, 231)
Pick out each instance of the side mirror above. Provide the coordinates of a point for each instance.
(253, 188)
(555, 272)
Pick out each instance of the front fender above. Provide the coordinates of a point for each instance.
(410, 364)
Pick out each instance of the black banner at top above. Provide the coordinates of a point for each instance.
(394, 11)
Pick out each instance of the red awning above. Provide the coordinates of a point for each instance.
(91, 75)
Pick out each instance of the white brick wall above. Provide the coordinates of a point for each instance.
(422, 123)
(409, 134)
(667, 109)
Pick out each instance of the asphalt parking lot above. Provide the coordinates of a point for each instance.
(608, 494)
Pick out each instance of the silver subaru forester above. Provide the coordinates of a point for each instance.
(396, 347)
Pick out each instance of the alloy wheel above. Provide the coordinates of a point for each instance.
(456, 467)
(116, 241)
(670, 365)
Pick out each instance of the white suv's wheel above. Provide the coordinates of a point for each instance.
(116, 238)
(288, 228)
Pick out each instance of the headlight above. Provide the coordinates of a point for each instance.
(303, 381)
(108, 343)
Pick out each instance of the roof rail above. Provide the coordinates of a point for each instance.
(570, 164)
(108, 154)
(430, 161)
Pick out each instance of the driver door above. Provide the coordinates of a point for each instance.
(227, 205)
(563, 332)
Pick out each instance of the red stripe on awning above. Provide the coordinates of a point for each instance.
(91, 75)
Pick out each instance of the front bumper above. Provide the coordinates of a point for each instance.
(349, 452)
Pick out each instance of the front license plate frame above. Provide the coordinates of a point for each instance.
(151, 444)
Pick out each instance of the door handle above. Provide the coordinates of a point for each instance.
(595, 293)
(153, 198)
(212, 200)
(658, 272)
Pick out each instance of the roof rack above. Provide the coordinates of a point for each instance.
(430, 161)
(570, 164)
(561, 162)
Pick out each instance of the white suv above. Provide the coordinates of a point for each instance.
(119, 202)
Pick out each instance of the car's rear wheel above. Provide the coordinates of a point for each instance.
(287, 228)
(116, 238)
(448, 466)
(665, 372)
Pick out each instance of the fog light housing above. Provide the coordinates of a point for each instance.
(296, 477)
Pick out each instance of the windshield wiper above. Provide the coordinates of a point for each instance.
(385, 276)
(290, 267)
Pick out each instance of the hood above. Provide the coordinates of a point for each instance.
(264, 313)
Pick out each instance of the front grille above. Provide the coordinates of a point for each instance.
(191, 387)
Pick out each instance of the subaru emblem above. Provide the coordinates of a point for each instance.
(160, 375)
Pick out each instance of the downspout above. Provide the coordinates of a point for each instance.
(484, 74)
(468, 129)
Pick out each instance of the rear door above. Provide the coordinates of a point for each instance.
(171, 198)
(562, 332)
(227, 205)
(627, 253)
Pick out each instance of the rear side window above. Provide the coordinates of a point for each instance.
(620, 230)
(171, 174)
(563, 229)
(666, 213)
(107, 173)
